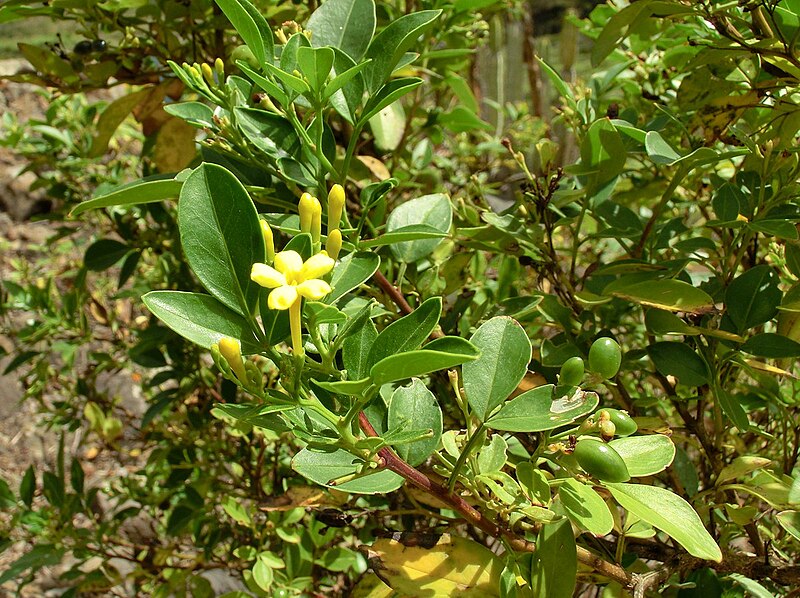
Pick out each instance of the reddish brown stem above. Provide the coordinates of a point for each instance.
(394, 463)
(394, 294)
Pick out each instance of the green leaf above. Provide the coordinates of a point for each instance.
(671, 514)
(27, 487)
(407, 333)
(585, 507)
(315, 64)
(753, 298)
(505, 353)
(771, 345)
(412, 232)
(740, 467)
(554, 566)
(53, 488)
(341, 468)
(252, 27)
(261, 81)
(414, 407)
(388, 94)
(289, 81)
(442, 353)
(350, 272)
(112, 117)
(140, 192)
(341, 79)
(271, 133)
(345, 24)
(433, 211)
(603, 155)
(790, 521)
(668, 294)
(645, 455)
(345, 387)
(221, 236)
(42, 555)
(679, 360)
(200, 318)
(7, 500)
(356, 348)
(753, 588)
(103, 254)
(659, 150)
(389, 46)
(389, 127)
(346, 90)
(195, 113)
(537, 410)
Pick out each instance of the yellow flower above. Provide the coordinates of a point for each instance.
(229, 349)
(291, 279)
(336, 201)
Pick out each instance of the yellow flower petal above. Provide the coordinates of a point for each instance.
(316, 266)
(288, 262)
(282, 297)
(313, 289)
(267, 276)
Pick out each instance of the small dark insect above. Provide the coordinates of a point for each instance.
(334, 517)
(90, 46)
(83, 47)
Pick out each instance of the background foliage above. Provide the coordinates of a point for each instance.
(653, 209)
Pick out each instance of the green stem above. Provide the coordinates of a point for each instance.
(465, 454)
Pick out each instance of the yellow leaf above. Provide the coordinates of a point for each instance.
(371, 586)
(451, 566)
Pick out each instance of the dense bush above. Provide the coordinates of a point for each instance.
(588, 387)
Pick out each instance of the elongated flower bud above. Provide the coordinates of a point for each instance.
(269, 241)
(219, 67)
(334, 243)
(208, 74)
(306, 209)
(316, 223)
(230, 350)
(335, 207)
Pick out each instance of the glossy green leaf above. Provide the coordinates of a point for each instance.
(645, 455)
(340, 469)
(356, 348)
(271, 133)
(659, 150)
(790, 521)
(668, 294)
(537, 410)
(221, 235)
(505, 353)
(414, 407)
(442, 353)
(388, 94)
(753, 298)
(771, 345)
(603, 155)
(140, 192)
(200, 318)
(389, 46)
(679, 360)
(350, 272)
(554, 566)
(407, 333)
(412, 232)
(432, 211)
(346, 90)
(585, 507)
(740, 467)
(290, 81)
(345, 24)
(671, 514)
(196, 114)
(315, 64)
(345, 387)
(252, 27)
(261, 81)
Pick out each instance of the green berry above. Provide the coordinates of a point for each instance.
(571, 372)
(601, 461)
(623, 422)
(605, 357)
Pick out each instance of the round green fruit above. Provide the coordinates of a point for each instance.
(571, 372)
(605, 357)
(601, 461)
(623, 423)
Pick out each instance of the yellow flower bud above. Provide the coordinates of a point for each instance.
(335, 207)
(269, 241)
(306, 209)
(316, 222)
(219, 67)
(208, 74)
(334, 243)
(230, 350)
